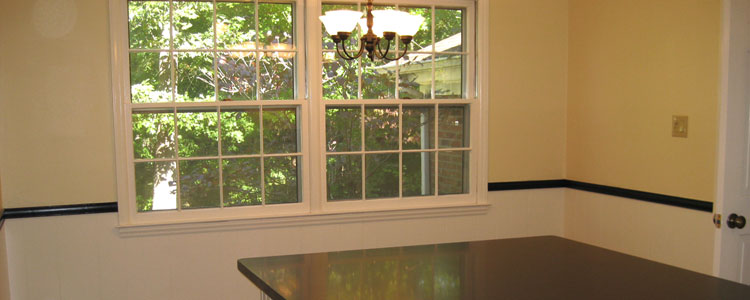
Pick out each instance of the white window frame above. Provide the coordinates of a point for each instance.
(313, 204)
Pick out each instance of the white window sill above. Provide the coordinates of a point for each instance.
(302, 219)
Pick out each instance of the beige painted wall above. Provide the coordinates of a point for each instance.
(56, 110)
(528, 59)
(634, 64)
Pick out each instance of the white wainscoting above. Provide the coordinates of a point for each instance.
(4, 288)
(671, 235)
(84, 257)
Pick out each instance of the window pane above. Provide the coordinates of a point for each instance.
(281, 179)
(240, 131)
(378, 79)
(148, 24)
(419, 127)
(381, 179)
(449, 77)
(448, 28)
(353, 42)
(241, 181)
(199, 183)
(453, 172)
(153, 134)
(277, 76)
(280, 130)
(198, 133)
(344, 177)
(236, 75)
(419, 174)
(195, 77)
(193, 24)
(453, 127)
(235, 25)
(381, 128)
(339, 77)
(423, 38)
(415, 76)
(155, 186)
(150, 77)
(343, 128)
(275, 24)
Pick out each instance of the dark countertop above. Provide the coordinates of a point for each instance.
(524, 268)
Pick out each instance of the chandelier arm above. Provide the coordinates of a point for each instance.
(402, 53)
(381, 54)
(345, 54)
(398, 57)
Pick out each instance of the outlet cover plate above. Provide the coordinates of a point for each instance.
(679, 126)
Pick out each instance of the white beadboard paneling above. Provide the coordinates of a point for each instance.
(542, 213)
(79, 259)
(346, 236)
(114, 265)
(150, 267)
(84, 257)
(200, 259)
(16, 260)
(509, 208)
(41, 258)
(672, 235)
(4, 284)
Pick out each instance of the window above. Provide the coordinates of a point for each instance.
(219, 115)
(399, 129)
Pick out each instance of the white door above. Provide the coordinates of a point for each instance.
(732, 253)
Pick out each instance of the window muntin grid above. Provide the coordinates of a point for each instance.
(185, 140)
(434, 68)
(393, 165)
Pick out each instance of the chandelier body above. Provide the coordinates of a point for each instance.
(340, 24)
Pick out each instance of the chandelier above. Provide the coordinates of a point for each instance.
(381, 25)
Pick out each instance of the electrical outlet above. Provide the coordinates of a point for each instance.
(679, 126)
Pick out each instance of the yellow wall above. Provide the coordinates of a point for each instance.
(55, 106)
(528, 71)
(633, 64)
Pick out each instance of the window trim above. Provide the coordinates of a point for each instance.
(313, 204)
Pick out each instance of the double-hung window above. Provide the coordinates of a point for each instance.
(242, 109)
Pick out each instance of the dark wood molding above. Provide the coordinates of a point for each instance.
(694, 204)
(60, 210)
(643, 196)
(111, 207)
(526, 185)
